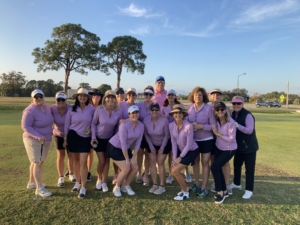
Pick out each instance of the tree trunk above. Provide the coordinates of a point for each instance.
(118, 79)
(67, 74)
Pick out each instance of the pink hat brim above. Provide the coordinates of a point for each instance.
(237, 100)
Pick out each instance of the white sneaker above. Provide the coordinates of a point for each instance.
(229, 189)
(76, 187)
(43, 192)
(184, 195)
(247, 195)
(117, 191)
(169, 179)
(82, 192)
(104, 187)
(233, 186)
(98, 185)
(213, 187)
(33, 185)
(61, 182)
(188, 178)
(129, 190)
(72, 178)
(153, 188)
(181, 192)
(159, 190)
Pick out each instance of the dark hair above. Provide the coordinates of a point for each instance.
(166, 102)
(149, 87)
(196, 90)
(77, 103)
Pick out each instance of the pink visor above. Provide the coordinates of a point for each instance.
(237, 100)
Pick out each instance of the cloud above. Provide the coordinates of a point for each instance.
(141, 31)
(266, 44)
(204, 33)
(260, 13)
(134, 11)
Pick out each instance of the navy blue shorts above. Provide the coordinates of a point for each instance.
(206, 146)
(117, 153)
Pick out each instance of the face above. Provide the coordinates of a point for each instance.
(82, 98)
(171, 97)
(134, 116)
(61, 102)
(120, 96)
(38, 100)
(178, 116)
(220, 112)
(198, 97)
(237, 106)
(215, 97)
(110, 100)
(147, 96)
(96, 99)
(160, 85)
(131, 96)
(154, 112)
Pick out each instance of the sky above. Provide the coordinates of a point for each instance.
(190, 43)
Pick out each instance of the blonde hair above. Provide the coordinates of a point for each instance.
(226, 116)
(117, 106)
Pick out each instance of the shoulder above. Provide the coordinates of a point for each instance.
(146, 119)
(187, 124)
(30, 109)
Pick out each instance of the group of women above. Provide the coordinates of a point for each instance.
(145, 133)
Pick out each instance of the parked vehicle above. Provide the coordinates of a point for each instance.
(274, 104)
(261, 103)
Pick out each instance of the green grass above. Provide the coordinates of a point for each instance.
(275, 201)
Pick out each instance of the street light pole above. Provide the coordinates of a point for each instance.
(238, 81)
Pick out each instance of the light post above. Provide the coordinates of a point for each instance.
(238, 81)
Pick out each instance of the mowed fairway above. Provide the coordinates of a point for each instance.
(275, 201)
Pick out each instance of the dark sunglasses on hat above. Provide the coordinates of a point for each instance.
(38, 96)
(146, 94)
(236, 103)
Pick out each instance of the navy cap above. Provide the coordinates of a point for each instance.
(220, 105)
(154, 105)
(160, 78)
(119, 90)
(95, 92)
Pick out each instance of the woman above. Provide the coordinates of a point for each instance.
(94, 101)
(157, 136)
(247, 146)
(202, 117)
(215, 97)
(169, 102)
(131, 97)
(59, 112)
(104, 124)
(119, 150)
(185, 149)
(37, 125)
(144, 112)
(225, 149)
(78, 137)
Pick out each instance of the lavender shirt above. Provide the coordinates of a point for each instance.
(124, 108)
(227, 142)
(248, 129)
(59, 120)
(165, 110)
(126, 135)
(183, 139)
(103, 125)
(159, 97)
(144, 110)
(157, 133)
(204, 116)
(80, 121)
(37, 123)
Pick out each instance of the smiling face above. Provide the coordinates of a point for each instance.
(147, 97)
(220, 112)
(61, 102)
(216, 97)
(237, 106)
(82, 98)
(131, 97)
(120, 96)
(110, 101)
(154, 112)
(198, 97)
(38, 100)
(160, 86)
(134, 116)
(96, 99)
(178, 116)
(171, 97)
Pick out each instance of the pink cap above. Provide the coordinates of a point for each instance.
(237, 99)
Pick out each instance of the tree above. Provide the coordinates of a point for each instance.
(296, 101)
(49, 87)
(104, 87)
(254, 97)
(84, 85)
(123, 51)
(12, 83)
(72, 48)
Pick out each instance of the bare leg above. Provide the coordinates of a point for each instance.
(76, 158)
(60, 162)
(31, 177)
(161, 167)
(131, 175)
(140, 155)
(196, 170)
(170, 159)
(124, 170)
(101, 163)
(71, 163)
(152, 159)
(83, 168)
(37, 175)
(105, 170)
(90, 160)
(176, 174)
(205, 169)
(146, 162)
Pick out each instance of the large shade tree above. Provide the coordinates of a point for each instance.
(72, 48)
(123, 51)
(12, 83)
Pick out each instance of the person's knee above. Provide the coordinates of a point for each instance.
(61, 155)
(174, 171)
(205, 163)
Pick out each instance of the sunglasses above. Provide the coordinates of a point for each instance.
(38, 96)
(146, 94)
(171, 95)
(120, 93)
(154, 110)
(133, 94)
(219, 109)
(236, 103)
(161, 82)
(60, 100)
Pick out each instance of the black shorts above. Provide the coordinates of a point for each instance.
(144, 143)
(214, 148)
(102, 145)
(206, 146)
(78, 144)
(59, 142)
(117, 153)
(189, 158)
(167, 149)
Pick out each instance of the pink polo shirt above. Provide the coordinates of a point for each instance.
(227, 142)
(159, 97)
(184, 138)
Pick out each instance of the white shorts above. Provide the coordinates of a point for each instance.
(33, 149)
